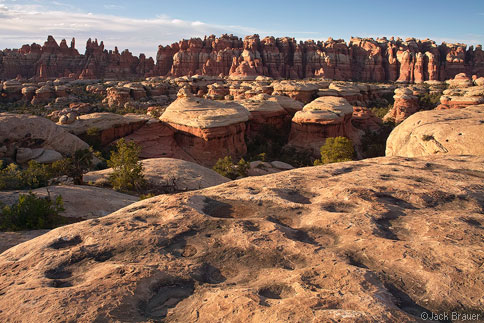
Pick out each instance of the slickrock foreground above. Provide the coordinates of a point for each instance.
(454, 131)
(79, 202)
(378, 240)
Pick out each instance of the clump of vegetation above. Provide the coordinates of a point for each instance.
(380, 112)
(427, 137)
(74, 166)
(33, 176)
(429, 101)
(146, 196)
(31, 212)
(227, 168)
(127, 169)
(335, 150)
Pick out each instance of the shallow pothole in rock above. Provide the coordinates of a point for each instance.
(292, 196)
(164, 297)
(217, 209)
(277, 291)
(207, 273)
(338, 207)
(65, 242)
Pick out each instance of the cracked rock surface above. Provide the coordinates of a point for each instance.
(378, 240)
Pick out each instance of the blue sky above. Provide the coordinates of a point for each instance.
(142, 25)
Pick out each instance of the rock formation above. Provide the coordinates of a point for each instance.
(264, 114)
(324, 117)
(457, 131)
(207, 130)
(361, 59)
(406, 104)
(108, 126)
(54, 60)
(363, 119)
(382, 240)
(32, 132)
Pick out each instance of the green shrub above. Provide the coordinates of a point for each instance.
(429, 101)
(127, 169)
(380, 112)
(334, 150)
(226, 167)
(35, 175)
(31, 212)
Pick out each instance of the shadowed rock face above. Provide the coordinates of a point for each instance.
(382, 239)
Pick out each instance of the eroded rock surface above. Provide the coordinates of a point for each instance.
(455, 131)
(28, 131)
(382, 240)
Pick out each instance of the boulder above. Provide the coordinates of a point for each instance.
(28, 131)
(453, 132)
(48, 156)
(304, 92)
(117, 96)
(380, 240)
(290, 105)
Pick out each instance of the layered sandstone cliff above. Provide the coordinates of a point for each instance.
(360, 59)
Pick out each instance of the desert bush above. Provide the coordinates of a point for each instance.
(74, 166)
(380, 112)
(146, 196)
(127, 169)
(33, 176)
(31, 212)
(429, 101)
(334, 150)
(227, 168)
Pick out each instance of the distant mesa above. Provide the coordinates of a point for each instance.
(361, 59)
